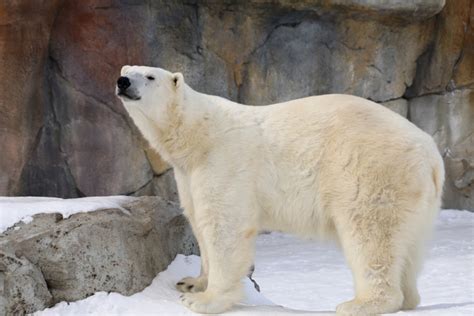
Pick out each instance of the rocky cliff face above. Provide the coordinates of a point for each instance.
(63, 132)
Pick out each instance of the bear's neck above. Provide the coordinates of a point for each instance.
(182, 137)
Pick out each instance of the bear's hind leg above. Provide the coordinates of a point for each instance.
(375, 264)
(230, 254)
(411, 298)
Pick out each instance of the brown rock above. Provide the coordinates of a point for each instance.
(88, 48)
(439, 62)
(24, 37)
(464, 69)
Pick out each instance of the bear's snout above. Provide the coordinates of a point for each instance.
(123, 83)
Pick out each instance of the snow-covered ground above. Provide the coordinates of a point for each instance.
(16, 209)
(308, 277)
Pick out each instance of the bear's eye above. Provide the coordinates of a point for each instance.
(150, 77)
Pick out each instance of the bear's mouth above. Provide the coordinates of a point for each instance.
(123, 94)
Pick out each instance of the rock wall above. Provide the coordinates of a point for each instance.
(64, 133)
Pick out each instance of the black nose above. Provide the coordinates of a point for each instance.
(123, 83)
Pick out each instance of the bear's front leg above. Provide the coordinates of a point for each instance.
(199, 284)
(190, 284)
(230, 245)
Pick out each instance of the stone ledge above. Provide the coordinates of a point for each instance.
(414, 10)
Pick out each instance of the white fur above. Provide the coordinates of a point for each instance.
(333, 166)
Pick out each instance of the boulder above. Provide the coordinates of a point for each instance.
(23, 289)
(112, 250)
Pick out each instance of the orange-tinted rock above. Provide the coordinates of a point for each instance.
(24, 38)
(464, 69)
(91, 148)
(438, 64)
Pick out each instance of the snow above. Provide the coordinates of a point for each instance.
(16, 209)
(307, 277)
(320, 279)
(160, 298)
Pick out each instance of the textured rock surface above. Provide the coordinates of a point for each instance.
(450, 54)
(399, 106)
(25, 28)
(107, 250)
(65, 134)
(22, 286)
(87, 128)
(163, 186)
(449, 119)
(364, 58)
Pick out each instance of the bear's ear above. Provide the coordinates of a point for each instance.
(124, 69)
(178, 79)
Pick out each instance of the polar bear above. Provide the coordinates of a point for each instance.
(336, 166)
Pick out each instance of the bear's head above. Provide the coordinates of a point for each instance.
(148, 90)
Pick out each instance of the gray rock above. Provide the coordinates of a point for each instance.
(22, 286)
(47, 172)
(448, 118)
(163, 185)
(302, 57)
(107, 250)
(96, 139)
(399, 106)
